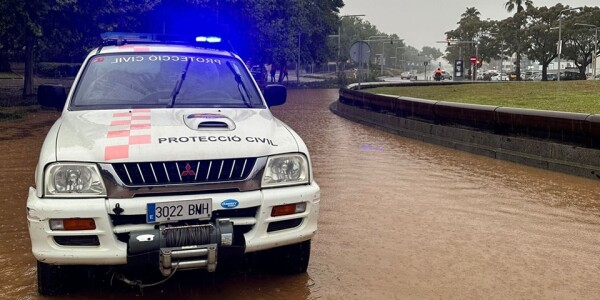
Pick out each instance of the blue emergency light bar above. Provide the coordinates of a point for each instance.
(208, 39)
(128, 37)
(122, 38)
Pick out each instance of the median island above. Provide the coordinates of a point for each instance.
(568, 96)
(549, 125)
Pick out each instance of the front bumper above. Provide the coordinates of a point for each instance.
(254, 228)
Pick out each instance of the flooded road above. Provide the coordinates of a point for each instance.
(400, 219)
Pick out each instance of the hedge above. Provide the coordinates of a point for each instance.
(57, 70)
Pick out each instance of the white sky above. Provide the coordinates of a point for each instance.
(423, 22)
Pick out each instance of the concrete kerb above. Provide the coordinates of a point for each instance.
(531, 151)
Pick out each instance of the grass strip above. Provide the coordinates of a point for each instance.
(581, 96)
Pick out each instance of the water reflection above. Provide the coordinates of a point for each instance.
(399, 219)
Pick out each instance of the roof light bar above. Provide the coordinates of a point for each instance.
(208, 39)
(123, 38)
(129, 36)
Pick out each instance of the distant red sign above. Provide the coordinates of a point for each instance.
(473, 58)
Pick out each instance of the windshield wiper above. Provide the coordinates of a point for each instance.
(178, 85)
(240, 82)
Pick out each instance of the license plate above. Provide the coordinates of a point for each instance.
(179, 210)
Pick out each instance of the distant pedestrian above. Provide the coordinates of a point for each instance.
(273, 70)
(285, 73)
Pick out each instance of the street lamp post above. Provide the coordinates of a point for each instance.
(560, 37)
(370, 39)
(594, 58)
(383, 50)
(501, 54)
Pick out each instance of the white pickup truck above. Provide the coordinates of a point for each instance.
(166, 155)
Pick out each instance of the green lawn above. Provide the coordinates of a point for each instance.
(573, 96)
(9, 75)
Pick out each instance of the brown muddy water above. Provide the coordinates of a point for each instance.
(400, 219)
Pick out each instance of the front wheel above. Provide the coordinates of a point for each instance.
(293, 259)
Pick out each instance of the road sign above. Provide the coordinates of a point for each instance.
(458, 70)
(360, 52)
(473, 58)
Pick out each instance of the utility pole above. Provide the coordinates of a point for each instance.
(559, 45)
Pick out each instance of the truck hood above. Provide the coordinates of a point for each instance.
(147, 135)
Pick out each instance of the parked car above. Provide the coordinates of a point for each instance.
(529, 75)
(408, 75)
(513, 76)
(570, 75)
(499, 77)
(446, 75)
(259, 73)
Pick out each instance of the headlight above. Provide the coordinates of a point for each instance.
(288, 169)
(73, 180)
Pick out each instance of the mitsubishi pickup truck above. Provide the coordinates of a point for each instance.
(167, 156)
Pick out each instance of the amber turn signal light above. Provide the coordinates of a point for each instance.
(288, 209)
(73, 224)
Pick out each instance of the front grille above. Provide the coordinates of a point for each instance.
(176, 172)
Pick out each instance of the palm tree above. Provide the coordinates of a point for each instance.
(511, 4)
(471, 13)
(520, 5)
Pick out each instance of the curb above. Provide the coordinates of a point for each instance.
(544, 154)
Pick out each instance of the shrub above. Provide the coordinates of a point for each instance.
(57, 70)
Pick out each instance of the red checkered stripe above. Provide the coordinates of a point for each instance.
(135, 48)
(127, 129)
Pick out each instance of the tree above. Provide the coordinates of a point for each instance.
(542, 46)
(465, 37)
(434, 53)
(9, 29)
(278, 27)
(520, 6)
(265, 30)
(579, 40)
(354, 29)
(510, 5)
(35, 25)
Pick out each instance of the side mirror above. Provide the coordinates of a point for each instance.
(275, 94)
(52, 95)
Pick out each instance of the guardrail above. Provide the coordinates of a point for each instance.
(559, 141)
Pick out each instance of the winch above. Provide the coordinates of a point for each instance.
(184, 247)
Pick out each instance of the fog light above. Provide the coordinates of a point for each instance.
(73, 224)
(288, 209)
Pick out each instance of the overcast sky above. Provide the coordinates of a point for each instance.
(423, 22)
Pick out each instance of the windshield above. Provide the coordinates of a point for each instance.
(164, 80)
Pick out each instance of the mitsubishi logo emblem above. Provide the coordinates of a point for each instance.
(188, 171)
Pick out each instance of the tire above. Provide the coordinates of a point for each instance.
(53, 280)
(293, 259)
